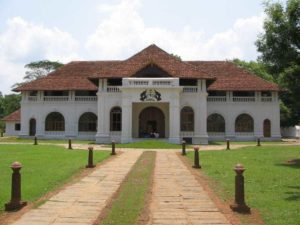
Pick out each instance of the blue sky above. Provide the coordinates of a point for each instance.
(32, 30)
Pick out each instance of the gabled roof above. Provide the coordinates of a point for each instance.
(78, 75)
(15, 116)
(230, 77)
(153, 55)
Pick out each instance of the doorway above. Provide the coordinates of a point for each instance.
(267, 128)
(151, 123)
(32, 127)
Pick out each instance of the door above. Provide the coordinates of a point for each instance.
(267, 128)
(151, 120)
(32, 127)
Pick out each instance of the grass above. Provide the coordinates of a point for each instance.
(130, 201)
(45, 168)
(149, 144)
(45, 141)
(252, 143)
(271, 186)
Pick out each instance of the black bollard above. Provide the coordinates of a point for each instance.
(239, 204)
(228, 144)
(113, 147)
(196, 158)
(183, 148)
(90, 158)
(1, 133)
(35, 140)
(15, 202)
(70, 144)
(258, 142)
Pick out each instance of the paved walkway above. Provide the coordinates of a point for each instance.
(82, 202)
(178, 197)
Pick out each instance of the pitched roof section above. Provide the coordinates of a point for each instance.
(230, 77)
(15, 116)
(77, 75)
(153, 55)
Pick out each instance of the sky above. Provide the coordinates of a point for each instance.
(64, 31)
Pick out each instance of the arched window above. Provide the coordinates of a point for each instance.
(244, 123)
(116, 119)
(87, 122)
(55, 121)
(215, 123)
(187, 119)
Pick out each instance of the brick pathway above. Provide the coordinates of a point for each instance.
(82, 202)
(178, 197)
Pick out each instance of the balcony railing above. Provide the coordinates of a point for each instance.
(216, 98)
(56, 98)
(32, 98)
(85, 98)
(243, 99)
(113, 89)
(190, 89)
(150, 82)
(266, 99)
(216, 134)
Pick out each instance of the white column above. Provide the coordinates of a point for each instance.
(200, 114)
(174, 123)
(102, 135)
(126, 135)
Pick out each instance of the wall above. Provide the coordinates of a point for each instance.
(10, 128)
(291, 132)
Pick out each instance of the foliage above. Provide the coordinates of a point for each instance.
(38, 69)
(279, 46)
(271, 184)
(131, 200)
(8, 104)
(257, 68)
(45, 168)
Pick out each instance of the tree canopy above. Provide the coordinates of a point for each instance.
(38, 69)
(279, 47)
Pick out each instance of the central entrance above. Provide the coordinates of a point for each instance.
(151, 123)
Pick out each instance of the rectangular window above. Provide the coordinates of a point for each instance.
(17, 126)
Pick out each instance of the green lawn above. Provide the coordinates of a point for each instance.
(45, 168)
(130, 201)
(252, 143)
(149, 144)
(271, 186)
(26, 140)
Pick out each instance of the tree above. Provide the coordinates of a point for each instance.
(279, 46)
(38, 69)
(257, 68)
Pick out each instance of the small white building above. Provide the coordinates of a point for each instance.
(150, 94)
(12, 123)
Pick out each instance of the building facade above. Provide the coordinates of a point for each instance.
(150, 95)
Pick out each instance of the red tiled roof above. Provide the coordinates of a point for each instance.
(230, 77)
(15, 116)
(77, 75)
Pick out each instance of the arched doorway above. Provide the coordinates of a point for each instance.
(267, 128)
(32, 127)
(151, 120)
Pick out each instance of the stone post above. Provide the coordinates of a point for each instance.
(35, 141)
(183, 147)
(70, 144)
(258, 142)
(196, 158)
(15, 202)
(90, 158)
(1, 133)
(113, 147)
(239, 204)
(228, 144)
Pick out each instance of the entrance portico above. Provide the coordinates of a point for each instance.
(151, 107)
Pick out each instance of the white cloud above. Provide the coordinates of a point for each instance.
(22, 42)
(123, 32)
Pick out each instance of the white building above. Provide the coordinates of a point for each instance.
(150, 93)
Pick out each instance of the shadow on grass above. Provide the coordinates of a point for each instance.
(294, 194)
(292, 163)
